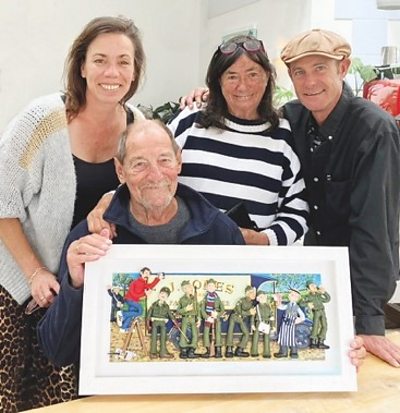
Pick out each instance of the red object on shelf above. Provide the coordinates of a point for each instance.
(385, 93)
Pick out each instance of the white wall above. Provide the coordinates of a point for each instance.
(178, 36)
(35, 37)
(275, 21)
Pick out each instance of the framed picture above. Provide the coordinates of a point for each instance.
(217, 319)
(244, 31)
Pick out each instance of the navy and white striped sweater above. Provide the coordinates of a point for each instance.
(245, 162)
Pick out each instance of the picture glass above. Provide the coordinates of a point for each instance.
(205, 319)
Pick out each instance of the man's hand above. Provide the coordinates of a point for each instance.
(198, 96)
(252, 237)
(86, 249)
(357, 352)
(95, 217)
(383, 348)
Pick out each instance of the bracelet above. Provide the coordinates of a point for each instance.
(35, 273)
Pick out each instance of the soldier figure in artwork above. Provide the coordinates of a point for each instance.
(188, 309)
(315, 299)
(244, 309)
(292, 316)
(262, 325)
(211, 308)
(157, 317)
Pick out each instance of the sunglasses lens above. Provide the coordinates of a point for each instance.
(252, 45)
(228, 48)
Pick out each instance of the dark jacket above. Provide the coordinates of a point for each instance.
(60, 329)
(353, 187)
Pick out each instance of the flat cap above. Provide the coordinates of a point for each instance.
(316, 42)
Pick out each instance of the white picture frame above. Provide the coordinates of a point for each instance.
(326, 371)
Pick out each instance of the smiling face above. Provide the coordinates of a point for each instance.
(318, 82)
(150, 170)
(108, 67)
(243, 86)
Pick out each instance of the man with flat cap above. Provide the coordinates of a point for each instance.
(350, 155)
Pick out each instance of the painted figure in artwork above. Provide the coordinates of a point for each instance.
(157, 318)
(316, 299)
(188, 309)
(212, 308)
(262, 325)
(243, 311)
(292, 316)
(117, 301)
(138, 289)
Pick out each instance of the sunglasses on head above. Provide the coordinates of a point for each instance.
(250, 45)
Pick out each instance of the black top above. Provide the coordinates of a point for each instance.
(351, 166)
(93, 181)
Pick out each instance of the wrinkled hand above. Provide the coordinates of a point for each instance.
(198, 96)
(95, 217)
(383, 348)
(252, 237)
(44, 288)
(357, 352)
(86, 249)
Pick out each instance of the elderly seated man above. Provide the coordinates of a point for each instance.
(150, 207)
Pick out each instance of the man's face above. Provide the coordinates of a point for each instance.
(318, 82)
(150, 169)
(163, 296)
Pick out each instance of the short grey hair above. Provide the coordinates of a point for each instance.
(141, 125)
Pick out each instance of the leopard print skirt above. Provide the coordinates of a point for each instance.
(27, 379)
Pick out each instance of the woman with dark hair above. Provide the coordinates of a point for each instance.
(56, 160)
(236, 149)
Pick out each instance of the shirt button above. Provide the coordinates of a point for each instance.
(329, 177)
(311, 149)
(315, 207)
(330, 137)
(315, 179)
(318, 232)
